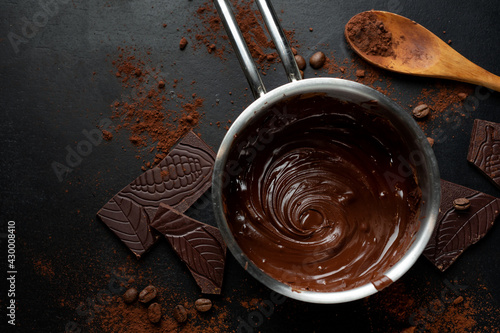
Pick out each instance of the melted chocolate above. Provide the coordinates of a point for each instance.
(327, 202)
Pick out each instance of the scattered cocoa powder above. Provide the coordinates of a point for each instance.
(462, 96)
(107, 135)
(360, 73)
(459, 317)
(120, 317)
(155, 118)
(446, 104)
(405, 310)
(213, 37)
(183, 43)
(44, 268)
(431, 141)
(447, 100)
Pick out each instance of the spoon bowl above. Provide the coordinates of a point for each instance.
(417, 51)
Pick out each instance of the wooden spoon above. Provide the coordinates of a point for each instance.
(415, 50)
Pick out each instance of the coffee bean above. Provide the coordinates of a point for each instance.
(317, 60)
(458, 300)
(203, 304)
(301, 62)
(302, 74)
(180, 314)
(154, 313)
(461, 204)
(147, 294)
(130, 295)
(421, 111)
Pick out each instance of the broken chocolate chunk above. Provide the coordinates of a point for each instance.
(484, 149)
(199, 245)
(457, 229)
(178, 180)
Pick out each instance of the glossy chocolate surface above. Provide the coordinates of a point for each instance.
(321, 194)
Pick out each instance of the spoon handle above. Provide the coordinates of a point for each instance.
(455, 66)
(482, 77)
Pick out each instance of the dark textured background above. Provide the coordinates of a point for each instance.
(49, 94)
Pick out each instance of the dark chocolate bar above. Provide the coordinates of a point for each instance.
(458, 228)
(199, 245)
(484, 149)
(178, 180)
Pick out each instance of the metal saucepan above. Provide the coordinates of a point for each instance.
(426, 171)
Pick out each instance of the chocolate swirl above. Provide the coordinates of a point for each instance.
(323, 204)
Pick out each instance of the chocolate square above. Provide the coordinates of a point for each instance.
(457, 229)
(484, 149)
(178, 180)
(200, 246)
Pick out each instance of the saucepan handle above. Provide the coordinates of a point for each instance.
(241, 49)
(280, 41)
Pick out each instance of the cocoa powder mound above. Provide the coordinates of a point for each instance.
(154, 118)
(369, 35)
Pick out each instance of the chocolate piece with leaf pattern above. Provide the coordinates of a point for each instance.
(200, 246)
(458, 228)
(178, 180)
